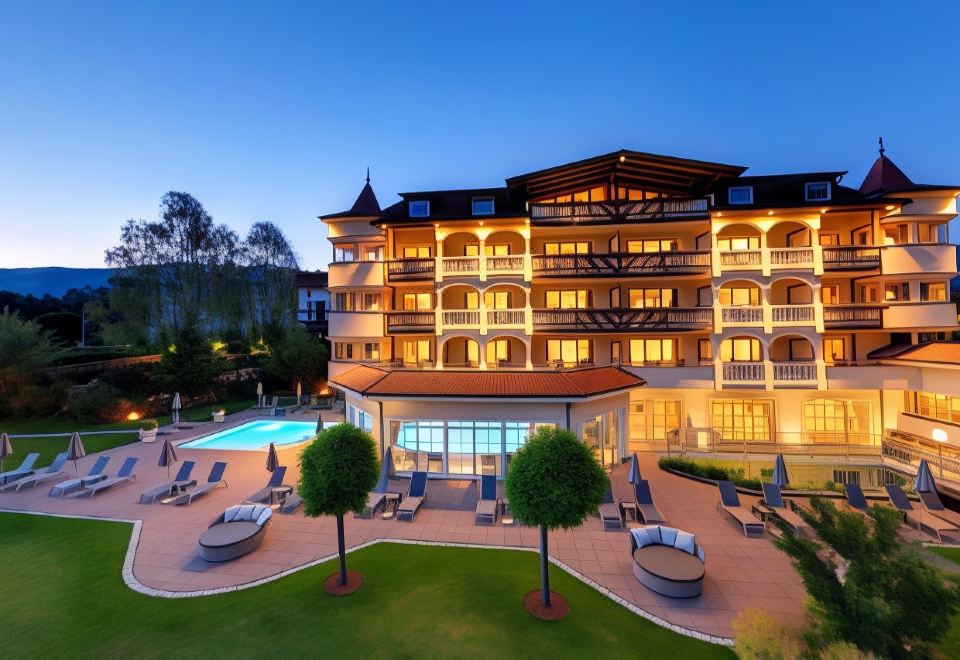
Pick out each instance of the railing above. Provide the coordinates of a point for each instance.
(794, 372)
(744, 315)
(400, 270)
(460, 265)
(741, 258)
(623, 319)
(461, 318)
(615, 210)
(621, 263)
(853, 316)
(743, 372)
(908, 449)
(505, 264)
(700, 441)
(499, 318)
(851, 258)
(410, 321)
(791, 257)
(792, 314)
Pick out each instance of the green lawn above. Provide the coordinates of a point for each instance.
(950, 645)
(70, 601)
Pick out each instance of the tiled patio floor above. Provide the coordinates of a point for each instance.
(740, 572)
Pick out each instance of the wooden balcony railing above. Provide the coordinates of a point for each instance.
(621, 263)
(852, 316)
(850, 258)
(408, 270)
(622, 319)
(616, 210)
(410, 322)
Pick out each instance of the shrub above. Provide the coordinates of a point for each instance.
(96, 404)
(709, 470)
(759, 637)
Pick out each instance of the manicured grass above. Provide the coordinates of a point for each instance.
(418, 601)
(953, 554)
(950, 645)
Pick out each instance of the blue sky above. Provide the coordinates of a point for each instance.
(272, 111)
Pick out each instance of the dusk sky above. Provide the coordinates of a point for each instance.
(273, 111)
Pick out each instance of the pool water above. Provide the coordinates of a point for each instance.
(256, 436)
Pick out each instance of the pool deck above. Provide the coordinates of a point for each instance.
(740, 572)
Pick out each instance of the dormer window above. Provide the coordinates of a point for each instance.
(817, 191)
(740, 195)
(482, 205)
(419, 209)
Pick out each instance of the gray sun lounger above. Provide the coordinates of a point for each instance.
(488, 503)
(165, 490)
(416, 496)
(215, 480)
(72, 485)
(730, 504)
(773, 498)
(610, 512)
(263, 495)
(124, 474)
(931, 524)
(931, 503)
(25, 469)
(52, 471)
(646, 509)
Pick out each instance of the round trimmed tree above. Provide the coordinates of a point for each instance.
(554, 482)
(338, 469)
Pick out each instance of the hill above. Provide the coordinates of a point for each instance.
(53, 280)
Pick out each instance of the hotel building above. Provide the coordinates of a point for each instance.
(648, 302)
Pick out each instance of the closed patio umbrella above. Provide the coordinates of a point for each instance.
(168, 455)
(634, 475)
(5, 448)
(385, 470)
(75, 450)
(780, 477)
(259, 393)
(299, 391)
(272, 461)
(924, 483)
(175, 409)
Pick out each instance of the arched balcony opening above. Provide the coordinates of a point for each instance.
(504, 243)
(506, 352)
(461, 244)
(741, 359)
(739, 246)
(794, 360)
(789, 234)
(461, 352)
(741, 303)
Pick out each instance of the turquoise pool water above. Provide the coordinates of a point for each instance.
(255, 436)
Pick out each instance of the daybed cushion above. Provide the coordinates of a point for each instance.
(245, 512)
(685, 541)
(230, 514)
(668, 535)
(264, 516)
(641, 537)
(653, 531)
(257, 511)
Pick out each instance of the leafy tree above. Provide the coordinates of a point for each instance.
(271, 266)
(889, 602)
(25, 350)
(189, 364)
(554, 481)
(297, 356)
(337, 472)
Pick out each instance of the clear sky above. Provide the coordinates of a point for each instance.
(273, 110)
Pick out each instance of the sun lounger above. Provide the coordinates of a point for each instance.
(856, 500)
(25, 469)
(416, 496)
(610, 512)
(291, 503)
(646, 509)
(215, 480)
(164, 490)
(730, 504)
(72, 485)
(773, 498)
(931, 524)
(52, 471)
(930, 501)
(124, 474)
(263, 495)
(487, 504)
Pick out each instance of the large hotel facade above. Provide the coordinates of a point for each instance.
(648, 302)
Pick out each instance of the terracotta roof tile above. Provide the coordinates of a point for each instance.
(554, 384)
(942, 352)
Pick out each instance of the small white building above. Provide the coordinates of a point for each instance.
(313, 301)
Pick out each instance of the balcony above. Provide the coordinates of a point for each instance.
(791, 258)
(903, 316)
(460, 266)
(414, 322)
(622, 319)
(792, 315)
(506, 319)
(745, 316)
(460, 318)
(617, 211)
(850, 258)
(795, 374)
(621, 264)
(741, 259)
(744, 373)
(853, 316)
(916, 259)
(511, 264)
(410, 270)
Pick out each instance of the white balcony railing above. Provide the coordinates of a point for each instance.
(506, 318)
(741, 258)
(505, 264)
(461, 265)
(792, 314)
(795, 373)
(746, 315)
(794, 257)
(743, 372)
(461, 318)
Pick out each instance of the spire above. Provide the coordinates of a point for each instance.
(366, 203)
(881, 156)
(368, 167)
(884, 176)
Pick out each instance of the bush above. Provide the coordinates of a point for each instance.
(709, 470)
(759, 637)
(134, 380)
(298, 356)
(190, 366)
(97, 404)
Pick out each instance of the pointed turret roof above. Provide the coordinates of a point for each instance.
(884, 176)
(365, 205)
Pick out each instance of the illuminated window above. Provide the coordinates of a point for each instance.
(896, 292)
(830, 294)
(416, 252)
(653, 419)
(834, 350)
(651, 245)
(735, 243)
(938, 406)
(818, 191)
(569, 351)
(704, 351)
(568, 299)
(643, 298)
(498, 351)
(413, 301)
(357, 302)
(829, 239)
(739, 296)
(573, 247)
(497, 299)
(371, 351)
(740, 195)
(645, 351)
(416, 351)
(419, 209)
(743, 419)
(740, 349)
(933, 291)
(833, 420)
(482, 205)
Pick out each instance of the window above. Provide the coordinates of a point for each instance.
(834, 350)
(743, 419)
(419, 209)
(734, 243)
(497, 299)
(357, 302)
(416, 351)
(830, 294)
(927, 337)
(867, 293)
(829, 239)
(704, 351)
(740, 195)
(371, 352)
(569, 299)
(644, 351)
(643, 298)
(491, 250)
(412, 301)
(416, 252)
(833, 420)
(364, 420)
(482, 205)
(498, 351)
(862, 236)
(472, 300)
(740, 349)
(933, 291)
(573, 247)
(930, 233)
(373, 253)
(740, 296)
(651, 245)
(338, 350)
(818, 191)
(938, 406)
(898, 292)
(344, 253)
(569, 351)
(653, 419)
(615, 352)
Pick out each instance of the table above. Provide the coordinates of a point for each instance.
(278, 494)
(762, 511)
(506, 518)
(390, 508)
(630, 507)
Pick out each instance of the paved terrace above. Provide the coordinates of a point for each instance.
(740, 573)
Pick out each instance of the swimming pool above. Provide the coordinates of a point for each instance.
(255, 436)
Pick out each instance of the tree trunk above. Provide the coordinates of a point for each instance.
(341, 549)
(544, 564)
